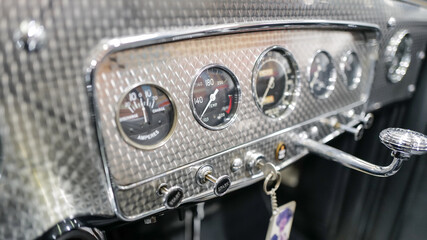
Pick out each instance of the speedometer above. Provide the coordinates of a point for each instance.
(275, 81)
(214, 97)
(146, 116)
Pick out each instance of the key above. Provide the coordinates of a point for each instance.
(272, 191)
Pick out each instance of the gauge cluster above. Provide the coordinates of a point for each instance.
(192, 114)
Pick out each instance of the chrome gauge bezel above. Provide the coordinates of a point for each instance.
(390, 54)
(332, 79)
(119, 126)
(296, 92)
(239, 95)
(351, 84)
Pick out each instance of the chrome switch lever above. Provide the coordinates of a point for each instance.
(356, 131)
(367, 120)
(221, 184)
(402, 142)
(172, 197)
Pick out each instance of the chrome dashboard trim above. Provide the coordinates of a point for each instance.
(106, 47)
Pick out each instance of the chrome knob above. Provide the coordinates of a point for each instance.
(172, 197)
(221, 184)
(404, 141)
(254, 160)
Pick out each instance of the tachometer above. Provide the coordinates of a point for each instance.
(275, 81)
(214, 97)
(146, 116)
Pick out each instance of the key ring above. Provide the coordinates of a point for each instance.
(276, 185)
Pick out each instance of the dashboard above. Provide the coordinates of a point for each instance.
(166, 110)
(118, 111)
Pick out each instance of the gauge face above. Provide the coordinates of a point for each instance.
(146, 116)
(398, 56)
(275, 81)
(351, 69)
(322, 75)
(214, 97)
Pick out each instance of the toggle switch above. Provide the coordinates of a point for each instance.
(221, 184)
(172, 197)
(367, 120)
(356, 131)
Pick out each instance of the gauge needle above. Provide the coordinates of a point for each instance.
(143, 110)
(269, 85)
(212, 98)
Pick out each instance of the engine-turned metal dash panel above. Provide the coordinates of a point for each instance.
(173, 65)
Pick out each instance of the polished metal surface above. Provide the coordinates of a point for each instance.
(348, 160)
(52, 167)
(30, 36)
(397, 63)
(404, 141)
(173, 65)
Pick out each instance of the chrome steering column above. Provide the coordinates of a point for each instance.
(403, 143)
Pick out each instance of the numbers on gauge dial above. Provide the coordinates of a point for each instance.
(215, 96)
(146, 116)
(275, 81)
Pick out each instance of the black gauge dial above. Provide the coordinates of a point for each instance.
(146, 116)
(274, 81)
(351, 69)
(398, 56)
(322, 75)
(214, 97)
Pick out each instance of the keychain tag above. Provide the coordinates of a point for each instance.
(281, 222)
(282, 217)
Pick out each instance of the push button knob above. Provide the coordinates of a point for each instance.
(221, 184)
(172, 197)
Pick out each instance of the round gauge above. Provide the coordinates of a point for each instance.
(351, 69)
(398, 56)
(322, 75)
(275, 82)
(214, 97)
(146, 116)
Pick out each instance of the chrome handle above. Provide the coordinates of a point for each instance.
(404, 141)
(403, 144)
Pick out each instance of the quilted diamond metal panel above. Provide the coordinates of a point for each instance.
(174, 66)
(58, 145)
